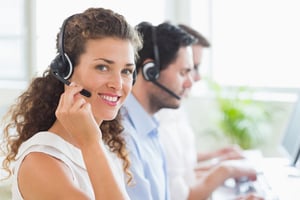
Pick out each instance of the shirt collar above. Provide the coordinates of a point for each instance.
(140, 119)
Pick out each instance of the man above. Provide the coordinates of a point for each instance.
(178, 140)
(164, 74)
(164, 77)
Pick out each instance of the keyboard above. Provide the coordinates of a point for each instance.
(260, 186)
(276, 179)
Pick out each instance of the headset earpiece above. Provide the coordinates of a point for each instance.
(151, 70)
(62, 65)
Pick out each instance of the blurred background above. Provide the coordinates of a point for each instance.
(251, 67)
(250, 73)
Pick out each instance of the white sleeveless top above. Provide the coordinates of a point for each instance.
(57, 147)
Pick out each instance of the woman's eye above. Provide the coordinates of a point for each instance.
(128, 71)
(102, 67)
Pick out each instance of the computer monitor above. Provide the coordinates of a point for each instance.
(296, 158)
(291, 138)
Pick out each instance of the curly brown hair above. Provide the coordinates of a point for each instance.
(34, 110)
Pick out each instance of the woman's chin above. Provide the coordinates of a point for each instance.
(109, 116)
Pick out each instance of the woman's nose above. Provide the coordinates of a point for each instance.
(115, 81)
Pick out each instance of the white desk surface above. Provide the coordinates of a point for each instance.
(284, 180)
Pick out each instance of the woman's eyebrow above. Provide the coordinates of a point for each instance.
(105, 60)
(112, 62)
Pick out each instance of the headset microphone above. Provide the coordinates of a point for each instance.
(166, 89)
(83, 92)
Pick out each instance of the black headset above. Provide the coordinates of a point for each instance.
(151, 69)
(62, 65)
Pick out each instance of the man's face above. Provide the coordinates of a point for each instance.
(197, 58)
(177, 77)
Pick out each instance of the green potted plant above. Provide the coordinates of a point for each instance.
(243, 120)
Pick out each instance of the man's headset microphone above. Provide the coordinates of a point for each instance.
(61, 66)
(151, 70)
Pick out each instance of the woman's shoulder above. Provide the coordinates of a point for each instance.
(51, 144)
(43, 139)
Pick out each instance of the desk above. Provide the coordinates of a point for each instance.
(283, 179)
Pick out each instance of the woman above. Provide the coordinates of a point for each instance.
(69, 146)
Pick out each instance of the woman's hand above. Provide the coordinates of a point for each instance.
(75, 115)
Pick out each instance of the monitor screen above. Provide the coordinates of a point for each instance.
(291, 137)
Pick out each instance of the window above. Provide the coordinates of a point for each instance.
(12, 38)
(29, 28)
(254, 42)
(48, 27)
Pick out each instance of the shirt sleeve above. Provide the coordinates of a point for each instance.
(177, 140)
(179, 188)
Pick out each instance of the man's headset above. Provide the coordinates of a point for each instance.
(151, 69)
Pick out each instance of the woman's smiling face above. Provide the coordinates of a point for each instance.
(106, 70)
